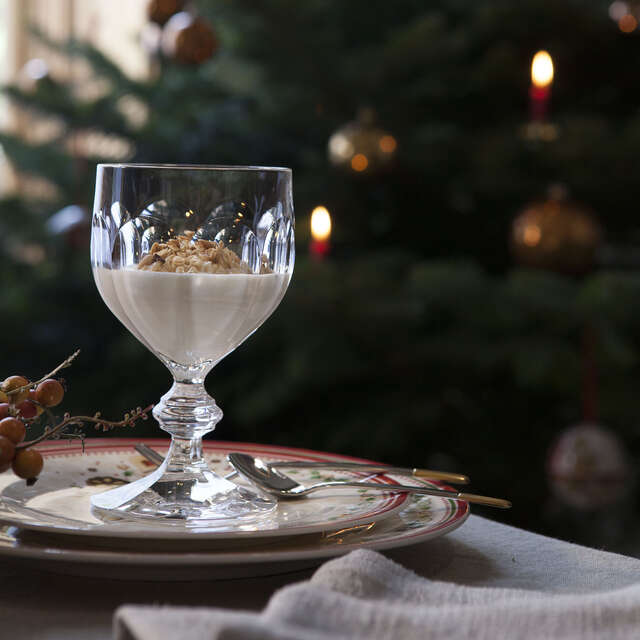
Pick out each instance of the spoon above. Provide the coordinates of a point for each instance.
(278, 484)
(453, 478)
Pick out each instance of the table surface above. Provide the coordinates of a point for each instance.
(481, 552)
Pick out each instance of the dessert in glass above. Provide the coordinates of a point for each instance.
(192, 260)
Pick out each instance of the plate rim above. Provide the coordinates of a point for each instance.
(124, 531)
(459, 515)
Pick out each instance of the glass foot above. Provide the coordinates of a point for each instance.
(187, 497)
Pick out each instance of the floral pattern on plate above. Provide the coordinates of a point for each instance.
(60, 501)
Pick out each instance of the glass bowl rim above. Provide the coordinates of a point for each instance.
(193, 167)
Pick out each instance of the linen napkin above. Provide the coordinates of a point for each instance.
(365, 595)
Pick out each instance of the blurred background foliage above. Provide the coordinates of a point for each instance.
(418, 339)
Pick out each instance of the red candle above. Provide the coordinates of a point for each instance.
(540, 91)
(319, 249)
(320, 233)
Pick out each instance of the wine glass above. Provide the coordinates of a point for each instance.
(192, 260)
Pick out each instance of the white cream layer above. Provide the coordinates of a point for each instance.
(190, 318)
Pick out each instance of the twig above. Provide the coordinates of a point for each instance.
(62, 365)
(128, 420)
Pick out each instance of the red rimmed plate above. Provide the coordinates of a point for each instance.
(416, 520)
(60, 501)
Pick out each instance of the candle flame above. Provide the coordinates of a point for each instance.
(542, 69)
(320, 224)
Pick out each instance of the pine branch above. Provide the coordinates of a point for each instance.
(56, 100)
(100, 63)
(44, 160)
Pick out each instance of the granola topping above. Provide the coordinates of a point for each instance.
(183, 254)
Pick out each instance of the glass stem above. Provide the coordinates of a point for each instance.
(187, 411)
(185, 455)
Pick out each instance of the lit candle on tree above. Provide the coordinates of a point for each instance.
(540, 91)
(320, 232)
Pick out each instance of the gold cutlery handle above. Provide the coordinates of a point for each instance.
(430, 474)
(486, 500)
(425, 491)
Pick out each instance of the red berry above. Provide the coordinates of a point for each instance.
(7, 450)
(15, 382)
(34, 401)
(27, 464)
(50, 393)
(13, 429)
(27, 410)
(4, 410)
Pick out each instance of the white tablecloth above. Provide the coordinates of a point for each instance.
(481, 552)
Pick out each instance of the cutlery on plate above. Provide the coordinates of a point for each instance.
(278, 484)
(148, 453)
(454, 478)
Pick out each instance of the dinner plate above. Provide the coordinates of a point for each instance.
(419, 519)
(59, 502)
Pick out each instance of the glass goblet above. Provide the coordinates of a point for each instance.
(192, 260)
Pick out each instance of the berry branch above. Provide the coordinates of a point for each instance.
(23, 403)
(63, 365)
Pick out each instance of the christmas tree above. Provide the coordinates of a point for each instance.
(418, 339)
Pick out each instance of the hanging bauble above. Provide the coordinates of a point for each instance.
(34, 76)
(556, 234)
(362, 147)
(588, 467)
(72, 223)
(159, 11)
(188, 40)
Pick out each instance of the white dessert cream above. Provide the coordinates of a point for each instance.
(193, 315)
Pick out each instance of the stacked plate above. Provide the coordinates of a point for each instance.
(51, 523)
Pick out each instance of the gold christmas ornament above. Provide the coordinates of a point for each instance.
(556, 234)
(361, 147)
(188, 40)
(159, 11)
